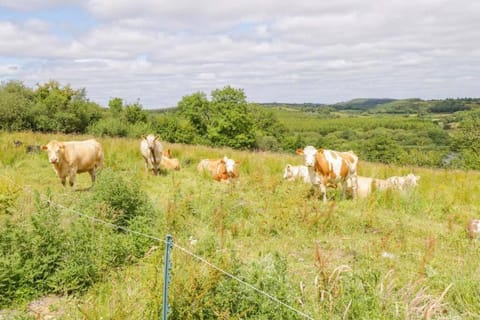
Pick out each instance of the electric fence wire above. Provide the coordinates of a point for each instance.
(186, 251)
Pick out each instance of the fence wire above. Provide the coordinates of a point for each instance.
(186, 251)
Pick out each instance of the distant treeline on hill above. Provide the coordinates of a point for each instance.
(437, 133)
(395, 106)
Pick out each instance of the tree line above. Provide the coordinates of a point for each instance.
(227, 119)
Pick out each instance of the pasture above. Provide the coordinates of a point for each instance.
(390, 255)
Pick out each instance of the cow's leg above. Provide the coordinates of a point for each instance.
(63, 180)
(146, 164)
(92, 175)
(354, 183)
(323, 189)
(71, 177)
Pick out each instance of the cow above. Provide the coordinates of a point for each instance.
(403, 183)
(151, 150)
(331, 167)
(168, 162)
(222, 169)
(71, 157)
(291, 173)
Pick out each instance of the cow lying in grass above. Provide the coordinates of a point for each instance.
(291, 173)
(168, 162)
(366, 185)
(220, 169)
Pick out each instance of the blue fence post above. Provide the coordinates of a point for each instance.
(166, 278)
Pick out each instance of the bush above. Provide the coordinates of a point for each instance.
(55, 253)
(109, 127)
(119, 200)
(208, 295)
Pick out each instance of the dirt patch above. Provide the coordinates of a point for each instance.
(47, 308)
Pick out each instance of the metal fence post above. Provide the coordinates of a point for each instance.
(166, 278)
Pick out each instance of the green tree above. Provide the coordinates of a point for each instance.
(15, 106)
(232, 125)
(382, 148)
(196, 109)
(116, 106)
(467, 140)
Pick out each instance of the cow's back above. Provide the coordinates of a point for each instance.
(84, 155)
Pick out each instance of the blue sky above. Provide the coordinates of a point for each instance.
(158, 51)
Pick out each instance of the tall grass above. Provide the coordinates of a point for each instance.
(391, 255)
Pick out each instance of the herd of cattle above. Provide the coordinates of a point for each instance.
(323, 168)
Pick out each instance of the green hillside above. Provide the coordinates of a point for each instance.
(391, 255)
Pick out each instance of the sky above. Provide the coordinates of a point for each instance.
(306, 51)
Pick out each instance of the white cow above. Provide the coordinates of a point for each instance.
(151, 150)
(296, 172)
(403, 183)
(71, 157)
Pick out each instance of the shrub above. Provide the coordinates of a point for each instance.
(118, 200)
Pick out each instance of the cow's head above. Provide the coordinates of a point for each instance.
(151, 141)
(55, 150)
(230, 166)
(309, 153)
(411, 180)
(167, 153)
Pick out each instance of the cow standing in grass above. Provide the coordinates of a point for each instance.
(328, 167)
(151, 150)
(71, 157)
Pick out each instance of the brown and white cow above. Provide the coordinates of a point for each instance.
(168, 162)
(151, 150)
(331, 167)
(71, 157)
(220, 169)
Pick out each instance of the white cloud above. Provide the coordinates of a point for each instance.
(314, 51)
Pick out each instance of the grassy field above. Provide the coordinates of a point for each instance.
(391, 255)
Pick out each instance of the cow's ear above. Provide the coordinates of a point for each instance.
(62, 146)
(44, 147)
(237, 162)
(157, 137)
(143, 137)
(300, 152)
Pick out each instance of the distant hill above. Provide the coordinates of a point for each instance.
(361, 103)
(355, 104)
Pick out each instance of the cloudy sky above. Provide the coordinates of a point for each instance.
(157, 51)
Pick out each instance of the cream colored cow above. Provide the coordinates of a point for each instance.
(71, 157)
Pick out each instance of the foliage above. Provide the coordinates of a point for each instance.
(119, 201)
(392, 255)
(51, 253)
(467, 140)
(220, 296)
(225, 120)
(49, 108)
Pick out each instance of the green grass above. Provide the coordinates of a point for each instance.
(391, 255)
